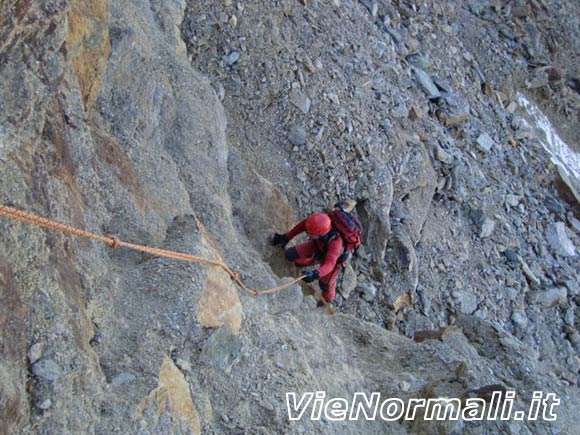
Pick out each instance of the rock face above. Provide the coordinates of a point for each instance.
(167, 123)
(374, 211)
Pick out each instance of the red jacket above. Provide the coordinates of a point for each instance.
(332, 249)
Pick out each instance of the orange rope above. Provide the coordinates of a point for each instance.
(280, 287)
(114, 243)
(329, 308)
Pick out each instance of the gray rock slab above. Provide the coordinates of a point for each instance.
(426, 84)
(559, 240)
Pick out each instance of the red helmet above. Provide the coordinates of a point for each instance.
(318, 224)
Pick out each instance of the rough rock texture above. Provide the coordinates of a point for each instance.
(88, 46)
(167, 123)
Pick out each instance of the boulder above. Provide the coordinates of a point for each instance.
(47, 369)
(559, 240)
(453, 109)
(485, 142)
(426, 84)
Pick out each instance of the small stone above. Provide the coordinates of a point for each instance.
(233, 21)
(123, 378)
(47, 369)
(516, 428)
(487, 228)
(301, 101)
(400, 111)
(512, 107)
(485, 142)
(45, 404)
(574, 338)
(468, 302)
(415, 113)
(481, 313)
(368, 291)
(512, 200)
(183, 365)
(404, 386)
(232, 58)
(559, 240)
(58, 328)
(419, 61)
(297, 136)
(521, 11)
(220, 91)
(468, 56)
(532, 279)
(413, 45)
(573, 287)
(554, 205)
(511, 256)
(454, 109)
(542, 76)
(550, 298)
(309, 65)
(569, 316)
(512, 293)
(442, 155)
(394, 34)
(520, 318)
(35, 352)
(426, 84)
(333, 98)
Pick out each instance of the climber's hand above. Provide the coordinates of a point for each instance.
(280, 239)
(311, 275)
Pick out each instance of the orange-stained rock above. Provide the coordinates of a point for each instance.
(172, 396)
(88, 45)
(219, 303)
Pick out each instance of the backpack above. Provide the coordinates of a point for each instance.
(349, 228)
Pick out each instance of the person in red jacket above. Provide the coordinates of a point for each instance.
(324, 246)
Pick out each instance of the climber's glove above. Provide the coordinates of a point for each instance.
(280, 239)
(311, 275)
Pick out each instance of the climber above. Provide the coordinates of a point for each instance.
(332, 237)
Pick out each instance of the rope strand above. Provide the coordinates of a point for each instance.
(116, 243)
